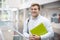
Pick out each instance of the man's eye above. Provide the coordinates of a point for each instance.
(35, 9)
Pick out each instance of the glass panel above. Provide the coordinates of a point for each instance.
(27, 13)
(0, 5)
(21, 1)
(3, 0)
(8, 34)
(26, 0)
(21, 20)
(0, 14)
(15, 21)
(4, 16)
(55, 18)
(0, 0)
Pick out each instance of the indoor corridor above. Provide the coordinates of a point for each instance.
(13, 13)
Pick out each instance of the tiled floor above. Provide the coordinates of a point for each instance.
(56, 36)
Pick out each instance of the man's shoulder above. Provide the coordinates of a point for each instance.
(26, 20)
(44, 18)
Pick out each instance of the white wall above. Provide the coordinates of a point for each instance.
(48, 12)
(51, 8)
(52, 5)
(43, 1)
(14, 3)
(18, 3)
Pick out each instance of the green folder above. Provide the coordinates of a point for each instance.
(39, 30)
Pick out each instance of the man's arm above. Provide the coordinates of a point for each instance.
(25, 29)
(50, 33)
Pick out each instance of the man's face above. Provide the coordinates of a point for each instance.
(34, 11)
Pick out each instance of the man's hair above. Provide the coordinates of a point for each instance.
(36, 5)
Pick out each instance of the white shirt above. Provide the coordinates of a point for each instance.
(33, 22)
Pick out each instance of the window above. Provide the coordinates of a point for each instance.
(0, 12)
(0, 5)
(3, 0)
(4, 15)
(55, 18)
(0, 0)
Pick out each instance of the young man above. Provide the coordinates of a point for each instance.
(33, 21)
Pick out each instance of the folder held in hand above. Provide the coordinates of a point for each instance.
(39, 30)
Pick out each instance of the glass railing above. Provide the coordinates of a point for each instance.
(7, 32)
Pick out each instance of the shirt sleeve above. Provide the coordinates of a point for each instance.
(50, 33)
(25, 29)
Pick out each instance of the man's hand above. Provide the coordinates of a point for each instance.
(31, 37)
(34, 37)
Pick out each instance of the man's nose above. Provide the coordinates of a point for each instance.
(33, 10)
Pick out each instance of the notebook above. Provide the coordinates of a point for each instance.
(39, 30)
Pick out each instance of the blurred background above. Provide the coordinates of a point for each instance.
(14, 12)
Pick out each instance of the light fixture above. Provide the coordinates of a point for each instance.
(9, 30)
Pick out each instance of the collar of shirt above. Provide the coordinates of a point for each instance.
(36, 17)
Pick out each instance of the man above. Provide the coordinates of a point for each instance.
(33, 21)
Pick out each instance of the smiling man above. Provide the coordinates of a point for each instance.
(33, 21)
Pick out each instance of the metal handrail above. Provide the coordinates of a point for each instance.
(24, 38)
(2, 36)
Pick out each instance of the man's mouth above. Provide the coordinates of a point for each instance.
(34, 12)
